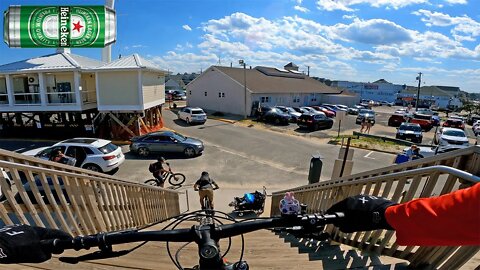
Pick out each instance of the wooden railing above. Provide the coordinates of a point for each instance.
(422, 178)
(78, 201)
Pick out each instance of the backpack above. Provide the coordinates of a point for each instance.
(151, 168)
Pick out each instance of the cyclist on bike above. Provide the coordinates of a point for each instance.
(205, 186)
(158, 171)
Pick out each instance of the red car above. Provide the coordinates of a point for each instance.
(454, 123)
(327, 112)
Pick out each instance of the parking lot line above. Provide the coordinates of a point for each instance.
(368, 155)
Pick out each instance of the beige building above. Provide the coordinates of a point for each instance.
(238, 90)
(71, 91)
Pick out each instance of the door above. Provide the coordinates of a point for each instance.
(77, 153)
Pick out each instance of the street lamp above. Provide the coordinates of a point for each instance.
(242, 63)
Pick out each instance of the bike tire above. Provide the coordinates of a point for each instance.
(152, 182)
(176, 179)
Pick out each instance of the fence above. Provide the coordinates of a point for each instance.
(400, 183)
(78, 201)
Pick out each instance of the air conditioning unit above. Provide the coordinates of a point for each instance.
(32, 80)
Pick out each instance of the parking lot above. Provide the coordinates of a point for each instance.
(348, 125)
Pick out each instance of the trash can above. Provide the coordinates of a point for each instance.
(315, 169)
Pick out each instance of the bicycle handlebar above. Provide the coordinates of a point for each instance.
(105, 240)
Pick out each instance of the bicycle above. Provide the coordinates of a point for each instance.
(206, 236)
(207, 204)
(175, 179)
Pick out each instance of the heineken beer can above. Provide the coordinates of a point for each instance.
(59, 26)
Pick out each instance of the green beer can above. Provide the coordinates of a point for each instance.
(59, 26)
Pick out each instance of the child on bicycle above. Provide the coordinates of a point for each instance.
(205, 186)
(158, 171)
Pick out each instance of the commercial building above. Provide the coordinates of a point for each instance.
(379, 90)
(239, 91)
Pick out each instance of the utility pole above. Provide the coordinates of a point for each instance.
(419, 78)
(242, 62)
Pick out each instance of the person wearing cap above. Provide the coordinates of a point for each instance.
(205, 186)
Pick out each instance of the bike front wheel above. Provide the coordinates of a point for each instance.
(176, 179)
(152, 182)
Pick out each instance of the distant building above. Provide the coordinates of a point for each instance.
(380, 90)
(443, 97)
(222, 89)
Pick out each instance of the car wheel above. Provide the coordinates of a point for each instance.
(187, 120)
(143, 151)
(189, 152)
(92, 167)
(316, 127)
(277, 121)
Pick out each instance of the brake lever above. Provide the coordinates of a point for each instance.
(97, 255)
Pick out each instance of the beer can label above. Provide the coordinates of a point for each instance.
(63, 26)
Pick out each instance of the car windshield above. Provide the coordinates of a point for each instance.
(455, 133)
(290, 109)
(411, 128)
(365, 111)
(107, 149)
(197, 112)
(179, 137)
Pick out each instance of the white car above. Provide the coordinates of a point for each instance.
(451, 136)
(435, 150)
(192, 115)
(92, 154)
(312, 110)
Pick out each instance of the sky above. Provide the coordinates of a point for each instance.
(356, 40)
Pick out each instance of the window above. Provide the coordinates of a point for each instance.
(223, 94)
(108, 148)
(314, 98)
(190, 92)
(219, 94)
(265, 99)
(205, 93)
(296, 99)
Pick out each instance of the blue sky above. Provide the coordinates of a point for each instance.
(359, 40)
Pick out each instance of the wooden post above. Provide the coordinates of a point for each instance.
(121, 124)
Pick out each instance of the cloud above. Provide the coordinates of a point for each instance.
(139, 46)
(187, 27)
(375, 31)
(465, 28)
(345, 5)
(462, 2)
(301, 9)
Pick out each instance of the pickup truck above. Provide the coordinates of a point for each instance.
(424, 120)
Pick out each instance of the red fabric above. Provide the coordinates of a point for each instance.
(449, 220)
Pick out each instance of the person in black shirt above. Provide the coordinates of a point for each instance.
(158, 171)
(205, 186)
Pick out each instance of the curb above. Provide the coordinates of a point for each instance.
(222, 119)
(370, 149)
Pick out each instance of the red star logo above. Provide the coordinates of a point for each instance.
(77, 26)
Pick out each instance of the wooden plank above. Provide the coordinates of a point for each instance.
(111, 209)
(7, 191)
(51, 200)
(65, 206)
(103, 202)
(121, 124)
(124, 219)
(71, 187)
(91, 204)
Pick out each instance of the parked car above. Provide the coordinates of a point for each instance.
(312, 110)
(166, 142)
(192, 115)
(275, 116)
(401, 111)
(426, 151)
(472, 119)
(365, 114)
(409, 131)
(476, 130)
(354, 109)
(340, 107)
(386, 103)
(396, 120)
(326, 111)
(179, 95)
(90, 153)
(451, 136)
(314, 121)
(294, 115)
(424, 120)
(300, 110)
(454, 123)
